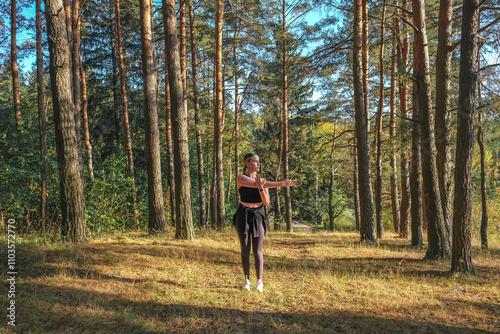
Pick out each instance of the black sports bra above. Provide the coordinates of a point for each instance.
(249, 195)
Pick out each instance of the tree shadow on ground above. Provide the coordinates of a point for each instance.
(45, 308)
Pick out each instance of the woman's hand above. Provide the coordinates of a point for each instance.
(289, 183)
(259, 182)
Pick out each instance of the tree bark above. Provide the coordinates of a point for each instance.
(42, 122)
(331, 214)
(197, 119)
(88, 146)
(365, 199)
(184, 215)
(13, 61)
(378, 138)
(156, 222)
(417, 237)
(127, 139)
(461, 259)
(286, 190)
(68, 153)
(115, 83)
(438, 238)
(219, 119)
(443, 113)
(484, 192)
(357, 212)
(392, 132)
(404, 128)
(77, 90)
(236, 127)
(365, 50)
(170, 144)
(182, 39)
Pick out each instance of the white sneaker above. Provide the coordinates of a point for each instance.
(246, 286)
(260, 286)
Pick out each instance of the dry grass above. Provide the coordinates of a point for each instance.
(314, 283)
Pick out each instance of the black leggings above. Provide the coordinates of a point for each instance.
(245, 240)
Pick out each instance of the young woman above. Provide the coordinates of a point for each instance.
(250, 218)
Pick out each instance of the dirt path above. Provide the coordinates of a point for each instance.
(299, 226)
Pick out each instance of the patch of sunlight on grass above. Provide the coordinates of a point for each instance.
(317, 282)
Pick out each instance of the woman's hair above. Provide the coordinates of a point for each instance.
(247, 157)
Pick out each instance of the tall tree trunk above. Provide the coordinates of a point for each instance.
(394, 167)
(443, 112)
(357, 211)
(13, 61)
(236, 126)
(484, 192)
(42, 122)
(69, 32)
(404, 129)
(417, 237)
(124, 103)
(170, 144)
(182, 39)
(461, 259)
(68, 153)
(288, 200)
(365, 50)
(219, 119)
(88, 147)
(278, 219)
(184, 214)
(156, 222)
(378, 138)
(365, 198)
(76, 64)
(438, 238)
(115, 80)
(197, 119)
(331, 214)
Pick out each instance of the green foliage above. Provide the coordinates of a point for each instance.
(109, 205)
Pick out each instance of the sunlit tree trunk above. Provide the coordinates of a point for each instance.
(76, 64)
(417, 237)
(438, 238)
(124, 104)
(182, 50)
(404, 129)
(278, 217)
(392, 132)
(218, 119)
(443, 112)
(480, 141)
(42, 122)
(197, 119)
(461, 258)
(156, 222)
(355, 182)
(365, 199)
(13, 62)
(331, 213)
(68, 152)
(236, 125)
(170, 144)
(378, 133)
(365, 50)
(184, 214)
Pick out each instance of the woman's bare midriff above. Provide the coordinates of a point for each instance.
(251, 205)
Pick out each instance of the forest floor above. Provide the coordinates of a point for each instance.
(314, 282)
